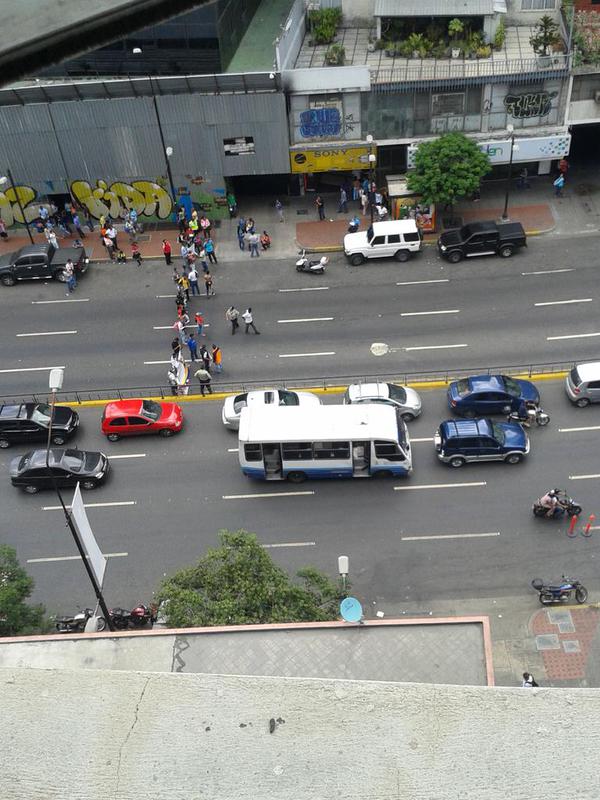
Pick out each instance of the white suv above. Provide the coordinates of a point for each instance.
(390, 239)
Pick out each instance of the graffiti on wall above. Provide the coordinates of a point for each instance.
(531, 104)
(9, 205)
(320, 122)
(148, 198)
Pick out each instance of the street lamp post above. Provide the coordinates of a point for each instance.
(10, 179)
(510, 128)
(372, 160)
(55, 383)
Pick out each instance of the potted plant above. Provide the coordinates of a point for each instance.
(545, 35)
(485, 51)
(500, 35)
(455, 28)
(335, 55)
(417, 45)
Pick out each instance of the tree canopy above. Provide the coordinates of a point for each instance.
(15, 587)
(238, 583)
(448, 168)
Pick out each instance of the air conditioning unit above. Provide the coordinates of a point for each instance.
(597, 97)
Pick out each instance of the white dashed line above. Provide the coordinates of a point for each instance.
(162, 296)
(583, 477)
(420, 283)
(71, 558)
(448, 536)
(548, 271)
(576, 430)
(30, 369)
(564, 302)
(233, 450)
(308, 319)
(72, 300)
(289, 544)
(128, 455)
(429, 313)
(94, 505)
(571, 336)
(172, 328)
(265, 494)
(435, 347)
(45, 333)
(426, 439)
(156, 362)
(306, 289)
(305, 355)
(439, 486)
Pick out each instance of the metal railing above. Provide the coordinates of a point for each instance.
(77, 396)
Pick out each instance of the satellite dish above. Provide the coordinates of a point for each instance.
(351, 609)
(380, 348)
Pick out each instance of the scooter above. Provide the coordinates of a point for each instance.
(304, 265)
(537, 415)
(561, 593)
(566, 505)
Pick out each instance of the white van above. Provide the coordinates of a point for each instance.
(394, 238)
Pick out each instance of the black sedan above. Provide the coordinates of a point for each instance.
(66, 467)
(23, 423)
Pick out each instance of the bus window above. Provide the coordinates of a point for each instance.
(296, 451)
(388, 450)
(337, 450)
(288, 398)
(253, 452)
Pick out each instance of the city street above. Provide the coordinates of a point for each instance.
(166, 500)
(115, 331)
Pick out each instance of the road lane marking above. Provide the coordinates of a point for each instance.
(45, 333)
(31, 369)
(306, 289)
(162, 296)
(583, 477)
(289, 544)
(425, 439)
(94, 505)
(435, 347)
(172, 327)
(565, 302)
(307, 319)
(157, 362)
(429, 313)
(265, 494)
(127, 455)
(439, 486)
(548, 271)
(420, 283)
(448, 536)
(233, 450)
(571, 336)
(71, 558)
(305, 355)
(575, 430)
(72, 300)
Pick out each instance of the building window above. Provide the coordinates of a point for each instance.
(537, 5)
(442, 104)
(240, 146)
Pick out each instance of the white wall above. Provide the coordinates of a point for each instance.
(516, 15)
(358, 10)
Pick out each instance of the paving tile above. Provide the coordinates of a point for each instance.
(547, 641)
(556, 616)
(571, 646)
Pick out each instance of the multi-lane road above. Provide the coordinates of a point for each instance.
(410, 541)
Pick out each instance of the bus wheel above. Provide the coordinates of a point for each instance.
(296, 477)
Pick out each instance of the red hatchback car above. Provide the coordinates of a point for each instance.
(135, 417)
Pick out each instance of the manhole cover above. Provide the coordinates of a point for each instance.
(571, 646)
(547, 641)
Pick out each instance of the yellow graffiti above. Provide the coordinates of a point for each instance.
(9, 205)
(146, 197)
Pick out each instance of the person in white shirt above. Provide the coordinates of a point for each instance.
(249, 320)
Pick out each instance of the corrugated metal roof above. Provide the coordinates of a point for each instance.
(433, 8)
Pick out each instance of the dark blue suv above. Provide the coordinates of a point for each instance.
(460, 440)
(480, 395)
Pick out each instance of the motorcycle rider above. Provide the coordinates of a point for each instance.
(550, 501)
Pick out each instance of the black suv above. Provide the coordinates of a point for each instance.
(28, 422)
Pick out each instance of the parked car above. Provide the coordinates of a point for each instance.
(232, 408)
(21, 423)
(397, 238)
(458, 441)
(482, 239)
(583, 384)
(68, 467)
(489, 394)
(41, 262)
(138, 417)
(389, 394)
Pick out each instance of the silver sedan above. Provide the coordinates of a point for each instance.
(402, 397)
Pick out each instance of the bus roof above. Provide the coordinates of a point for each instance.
(323, 423)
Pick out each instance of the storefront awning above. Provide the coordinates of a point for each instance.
(433, 8)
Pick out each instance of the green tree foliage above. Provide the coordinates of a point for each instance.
(546, 34)
(448, 168)
(238, 584)
(16, 586)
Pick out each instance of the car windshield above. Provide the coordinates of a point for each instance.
(288, 398)
(73, 460)
(512, 387)
(41, 414)
(498, 433)
(397, 393)
(151, 409)
(462, 387)
(575, 378)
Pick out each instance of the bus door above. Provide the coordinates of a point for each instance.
(361, 459)
(272, 461)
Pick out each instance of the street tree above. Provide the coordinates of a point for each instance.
(16, 617)
(448, 168)
(238, 583)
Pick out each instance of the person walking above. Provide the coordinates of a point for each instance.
(110, 248)
(88, 220)
(523, 182)
(249, 320)
(254, 241)
(192, 277)
(111, 232)
(279, 209)
(204, 357)
(231, 204)
(77, 224)
(231, 315)
(217, 357)
(265, 240)
(193, 347)
(135, 253)
(173, 385)
(559, 185)
(3, 233)
(208, 283)
(343, 204)
(176, 347)
(204, 379)
(71, 280)
(181, 219)
(51, 238)
(529, 681)
(184, 284)
(320, 204)
(241, 237)
(205, 226)
(179, 327)
(563, 166)
(166, 248)
(199, 320)
(209, 249)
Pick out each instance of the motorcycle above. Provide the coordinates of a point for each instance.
(561, 593)
(139, 617)
(565, 505)
(77, 622)
(304, 265)
(537, 415)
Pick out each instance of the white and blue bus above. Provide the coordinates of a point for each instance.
(294, 443)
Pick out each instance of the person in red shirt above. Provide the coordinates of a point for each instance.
(199, 320)
(166, 248)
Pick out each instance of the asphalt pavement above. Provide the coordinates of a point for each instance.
(115, 330)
